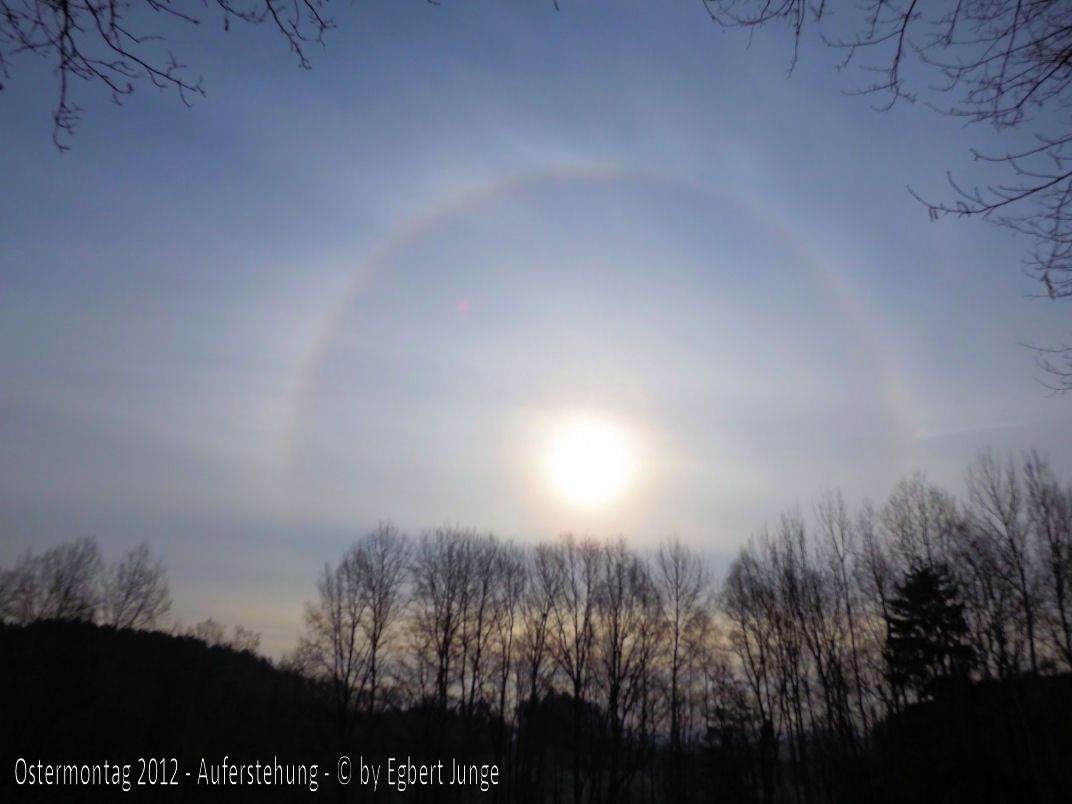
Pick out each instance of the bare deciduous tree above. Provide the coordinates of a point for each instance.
(578, 565)
(749, 601)
(349, 625)
(480, 609)
(998, 513)
(1050, 510)
(843, 554)
(440, 581)
(627, 621)
(209, 631)
(23, 590)
(684, 586)
(383, 561)
(511, 574)
(1003, 63)
(119, 43)
(244, 640)
(214, 635)
(135, 593)
(535, 666)
(68, 581)
(921, 519)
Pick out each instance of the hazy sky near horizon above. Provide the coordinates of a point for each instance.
(247, 331)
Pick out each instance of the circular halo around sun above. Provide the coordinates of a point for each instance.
(590, 462)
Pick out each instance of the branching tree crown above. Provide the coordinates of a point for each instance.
(135, 591)
(71, 582)
(117, 42)
(1005, 63)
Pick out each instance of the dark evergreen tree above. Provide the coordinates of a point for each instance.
(926, 641)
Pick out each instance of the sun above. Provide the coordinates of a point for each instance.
(590, 463)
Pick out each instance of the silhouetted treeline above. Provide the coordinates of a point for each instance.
(920, 649)
(71, 582)
(916, 649)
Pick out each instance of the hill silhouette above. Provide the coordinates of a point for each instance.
(75, 693)
(1006, 740)
(79, 693)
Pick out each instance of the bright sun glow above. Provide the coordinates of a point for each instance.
(590, 462)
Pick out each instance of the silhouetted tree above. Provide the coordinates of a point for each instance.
(534, 668)
(135, 593)
(118, 44)
(63, 583)
(214, 635)
(846, 566)
(71, 582)
(20, 590)
(1000, 517)
(209, 631)
(626, 627)
(348, 627)
(927, 643)
(480, 611)
(440, 572)
(921, 519)
(684, 586)
(1005, 63)
(578, 567)
(1050, 510)
(244, 640)
(383, 564)
(750, 602)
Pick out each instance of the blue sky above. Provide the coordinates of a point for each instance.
(249, 330)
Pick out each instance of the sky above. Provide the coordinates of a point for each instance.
(247, 331)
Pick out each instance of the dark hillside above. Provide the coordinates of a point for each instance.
(73, 692)
(995, 741)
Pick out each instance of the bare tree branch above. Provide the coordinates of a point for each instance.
(1005, 63)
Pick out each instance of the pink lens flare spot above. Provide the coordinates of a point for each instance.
(463, 306)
